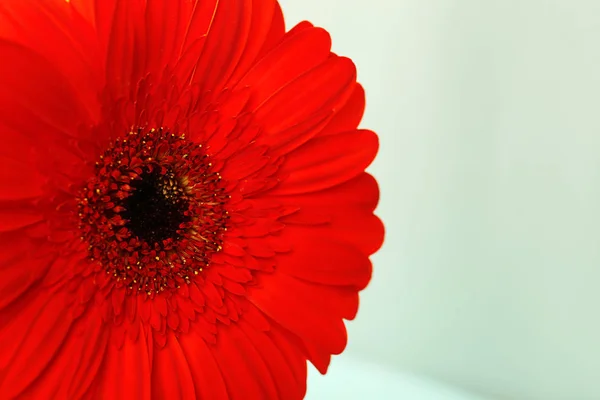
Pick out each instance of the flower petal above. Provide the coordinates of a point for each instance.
(312, 312)
(85, 367)
(18, 179)
(126, 373)
(15, 217)
(289, 385)
(324, 162)
(72, 50)
(330, 262)
(298, 111)
(225, 43)
(364, 232)
(171, 376)
(23, 76)
(276, 31)
(207, 376)
(44, 129)
(19, 268)
(126, 50)
(31, 341)
(295, 55)
(306, 100)
(361, 192)
(343, 212)
(246, 375)
(292, 350)
(263, 13)
(349, 116)
(69, 376)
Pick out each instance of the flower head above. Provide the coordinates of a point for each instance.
(184, 211)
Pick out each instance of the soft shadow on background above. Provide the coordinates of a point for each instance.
(488, 115)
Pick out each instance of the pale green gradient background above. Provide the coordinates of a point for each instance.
(488, 114)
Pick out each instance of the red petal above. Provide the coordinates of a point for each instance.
(86, 9)
(276, 31)
(319, 260)
(19, 269)
(287, 383)
(126, 50)
(263, 12)
(225, 43)
(166, 22)
(291, 349)
(18, 179)
(312, 312)
(171, 376)
(361, 193)
(297, 112)
(104, 17)
(200, 18)
(39, 129)
(294, 56)
(295, 136)
(343, 212)
(76, 364)
(62, 37)
(365, 231)
(31, 342)
(65, 267)
(206, 374)
(349, 116)
(126, 372)
(246, 162)
(23, 76)
(245, 373)
(14, 218)
(327, 161)
(322, 88)
(95, 338)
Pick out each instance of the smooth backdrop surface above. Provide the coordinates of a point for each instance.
(488, 115)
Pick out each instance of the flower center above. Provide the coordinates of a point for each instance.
(156, 207)
(154, 213)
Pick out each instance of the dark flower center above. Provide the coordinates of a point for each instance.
(155, 208)
(154, 213)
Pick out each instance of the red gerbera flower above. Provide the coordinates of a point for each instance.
(184, 211)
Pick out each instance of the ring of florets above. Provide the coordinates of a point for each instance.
(154, 212)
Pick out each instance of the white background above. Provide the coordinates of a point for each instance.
(489, 119)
